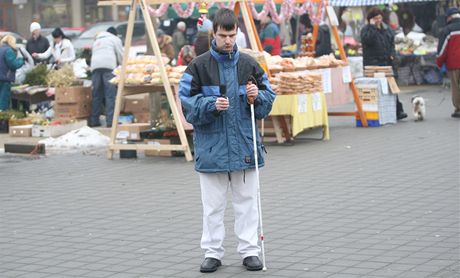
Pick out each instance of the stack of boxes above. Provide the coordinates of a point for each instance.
(378, 103)
(72, 103)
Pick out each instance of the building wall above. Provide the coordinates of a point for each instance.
(59, 13)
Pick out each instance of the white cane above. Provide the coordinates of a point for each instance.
(254, 140)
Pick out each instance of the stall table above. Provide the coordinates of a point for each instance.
(306, 111)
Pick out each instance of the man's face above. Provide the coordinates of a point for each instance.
(36, 33)
(378, 19)
(225, 40)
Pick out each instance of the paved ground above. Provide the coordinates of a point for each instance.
(376, 202)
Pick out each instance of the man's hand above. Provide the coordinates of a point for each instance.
(222, 103)
(372, 21)
(35, 55)
(252, 92)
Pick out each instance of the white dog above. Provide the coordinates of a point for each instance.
(418, 105)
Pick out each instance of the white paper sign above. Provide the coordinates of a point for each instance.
(332, 16)
(346, 74)
(302, 103)
(317, 105)
(384, 83)
(327, 85)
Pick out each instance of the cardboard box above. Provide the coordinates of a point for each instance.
(56, 130)
(21, 131)
(16, 122)
(73, 95)
(136, 104)
(143, 117)
(72, 110)
(131, 131)
(157, 142)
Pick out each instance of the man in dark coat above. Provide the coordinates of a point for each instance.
(377, 40)
(37, 43)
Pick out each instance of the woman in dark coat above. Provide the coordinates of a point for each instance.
(9, 63)
(377, 40)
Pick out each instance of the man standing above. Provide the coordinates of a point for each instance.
(107, 55)
(270, 36)
(37, 43)
(449, 54)
(178, 37)
(215, 93)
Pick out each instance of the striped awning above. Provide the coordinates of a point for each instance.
(355, 3)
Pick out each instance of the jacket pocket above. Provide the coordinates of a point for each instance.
(247, 148)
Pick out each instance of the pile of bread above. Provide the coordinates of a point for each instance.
(278, 64)
(145, 70)
(290, 83)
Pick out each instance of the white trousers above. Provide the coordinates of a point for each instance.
(214, 187)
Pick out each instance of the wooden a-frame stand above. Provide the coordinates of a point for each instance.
(279, 122)
(184, 146)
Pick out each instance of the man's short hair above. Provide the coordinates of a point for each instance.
(226, 19)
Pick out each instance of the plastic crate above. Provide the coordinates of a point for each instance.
(370, 123)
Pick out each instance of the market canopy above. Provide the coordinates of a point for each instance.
(355, 3)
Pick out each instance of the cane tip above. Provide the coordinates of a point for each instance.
(264, 268)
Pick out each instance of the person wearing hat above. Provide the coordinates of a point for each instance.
(449, 54)
(107, 55)
(37, 43)
(62, 49)
(378, 44)
(9, 63)
(203, 37)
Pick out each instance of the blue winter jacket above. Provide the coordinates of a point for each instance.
(223, 141)
(9, 63)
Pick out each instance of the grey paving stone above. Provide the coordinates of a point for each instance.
(368, 203)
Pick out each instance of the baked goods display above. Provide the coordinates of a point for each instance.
(145, 70)
(290, 83)
(278, 64)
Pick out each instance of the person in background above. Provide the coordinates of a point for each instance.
(178, 37)
(37, 43)
(215, 93)
(449, 54)
(241, 39)
(203, 37)
(107, 55)
(62, 49)
(323, 41)
(9, 63)
(186, 55)
(270, 36)
(379, 48)
(166, 45)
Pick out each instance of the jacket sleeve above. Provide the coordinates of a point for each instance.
(198, 109)
(264, 101)
(369, 34)
(12, 61)
(69, 52)
(442, 52)
(46, 54)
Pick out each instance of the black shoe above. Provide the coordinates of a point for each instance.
(209, 265)
(456, 115)
(252, 263)
(401, 116)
